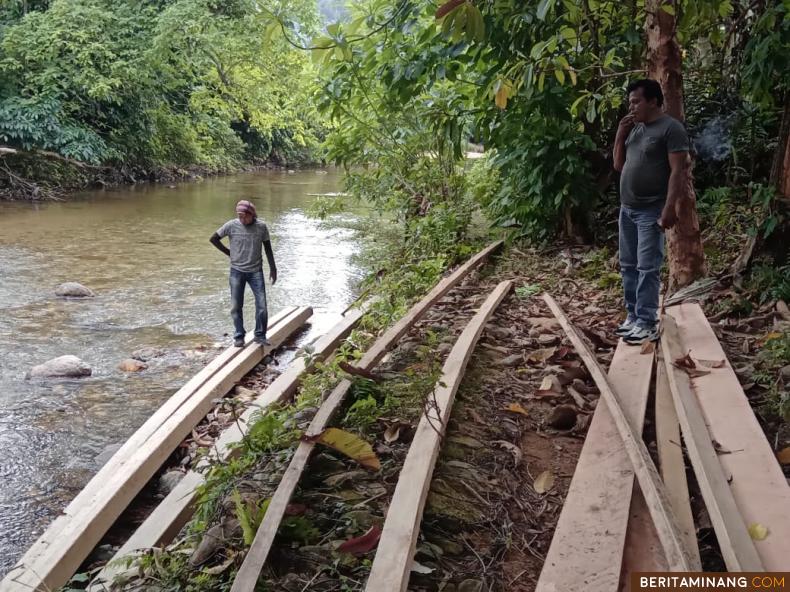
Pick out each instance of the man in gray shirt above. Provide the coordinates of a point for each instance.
(247, 235)
(650, 152)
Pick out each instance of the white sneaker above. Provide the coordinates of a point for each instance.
(627, 326)
(640, 335)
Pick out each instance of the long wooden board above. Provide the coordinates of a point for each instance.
(670, 456)
(162, 413)
(247, 576)
(590, 536)
(759, 487)
(169, 517)
(736, 545)
(678, 558)
(55, 556)
(392, 564)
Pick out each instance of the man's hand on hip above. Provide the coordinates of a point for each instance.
(669, 217)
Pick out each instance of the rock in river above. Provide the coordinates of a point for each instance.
(73, 290)
(62, 367)
(132, 365)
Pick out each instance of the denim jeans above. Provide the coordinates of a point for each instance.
(238, 280)
(641, 255)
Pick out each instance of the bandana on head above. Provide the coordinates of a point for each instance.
(246, 207)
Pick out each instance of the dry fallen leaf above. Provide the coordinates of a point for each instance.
(351, 445)
(516, 408)
(362, 544)
(475, 416)
(770, 337)
(466, 441)
(544, 482)
(515, 450)
(392, 433)
(758, 532)
(783, 456)
(648, 347)
(420, 568)
(685, 361)
(218, 569)
(541, 355)
(713, 363)
(551, 383)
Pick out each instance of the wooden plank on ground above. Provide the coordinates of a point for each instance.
(736, 545)
(167, 519)
(649, 481)
(162, 413)
(643, 550)
(394, 556)
(589, 539)
(670, 456)
(55, 556)
(247, 576)
(758, 484)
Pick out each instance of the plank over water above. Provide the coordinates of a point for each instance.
(55, 556)
(678, 558)
(394, 556)
(169, 517)
(589, 539)
(737, 547)
(163, 412)
(247, 576)
(758, 485)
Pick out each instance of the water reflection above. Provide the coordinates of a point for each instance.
(159, 282)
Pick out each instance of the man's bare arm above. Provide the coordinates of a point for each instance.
(677, 176)
(217, 242)
(267, 246)
(618, 153)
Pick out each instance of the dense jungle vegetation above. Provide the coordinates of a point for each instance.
(394, 91)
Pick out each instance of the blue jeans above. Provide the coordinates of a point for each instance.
(238, 279)
(641, 255)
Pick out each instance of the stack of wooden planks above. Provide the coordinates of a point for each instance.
(57, 554)
(609, 527)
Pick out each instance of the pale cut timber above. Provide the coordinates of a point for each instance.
(165, 411)
(248, 574)
(670, 457)
(56, 555)
(107, 472)
(759, 486)
(170, 516)
(737, 547)
(643, 550)
(678, 558)
(590, 535)
(394, 556)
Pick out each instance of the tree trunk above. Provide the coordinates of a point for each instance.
(684, 252)
(780, 170)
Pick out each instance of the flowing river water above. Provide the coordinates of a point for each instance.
(158, 283)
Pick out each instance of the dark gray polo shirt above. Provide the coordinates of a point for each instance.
(245, 243)
(645, 176)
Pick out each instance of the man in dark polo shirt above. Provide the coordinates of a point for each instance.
(650, 152)
(247, 234)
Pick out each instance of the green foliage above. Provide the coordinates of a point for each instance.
(775, 355)
(769, 282)
(149, 83)
(527, 291)
(249, 516)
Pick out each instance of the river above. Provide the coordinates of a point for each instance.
(145, 252)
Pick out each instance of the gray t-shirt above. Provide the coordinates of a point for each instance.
(645, 176)
(245, 243)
